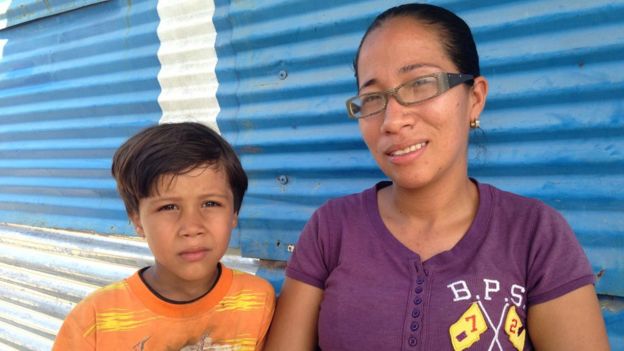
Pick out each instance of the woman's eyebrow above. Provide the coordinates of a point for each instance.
(409, 68)
(368, 83)
(402, 70)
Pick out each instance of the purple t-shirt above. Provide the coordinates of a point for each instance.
(379, 295)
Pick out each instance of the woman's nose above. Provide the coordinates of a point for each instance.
(396, 116)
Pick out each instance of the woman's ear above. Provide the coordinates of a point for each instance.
(478, 95)
(136, 222)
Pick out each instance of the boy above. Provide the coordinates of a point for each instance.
(182, 186)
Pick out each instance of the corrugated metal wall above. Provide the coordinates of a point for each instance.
(73, 88)
(75, 85)
(44, 273)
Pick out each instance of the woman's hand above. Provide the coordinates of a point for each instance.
(294, 325)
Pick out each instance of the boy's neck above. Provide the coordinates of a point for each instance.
(177, 293)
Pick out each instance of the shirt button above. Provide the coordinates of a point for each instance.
(418, 289)
(417, 300)
(415, 313)
(420, 279)
(414, 326)
(412, 341)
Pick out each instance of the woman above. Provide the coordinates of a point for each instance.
(432, 260)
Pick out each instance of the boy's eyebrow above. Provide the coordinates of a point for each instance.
(157, 197)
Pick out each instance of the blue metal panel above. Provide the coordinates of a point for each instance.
(14, 12)
(553, 126)
(73, 87)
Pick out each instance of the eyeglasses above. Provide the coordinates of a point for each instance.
(409, 93)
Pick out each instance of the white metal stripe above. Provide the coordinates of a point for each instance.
(3, 43)
(4, 7)
(188, 61)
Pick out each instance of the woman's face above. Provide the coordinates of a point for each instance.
(423, 143)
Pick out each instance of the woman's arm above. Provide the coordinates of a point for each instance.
(570, 322)
(294, 324)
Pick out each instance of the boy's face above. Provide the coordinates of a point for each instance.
(187, 223)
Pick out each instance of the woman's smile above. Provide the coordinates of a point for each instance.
(401, 155)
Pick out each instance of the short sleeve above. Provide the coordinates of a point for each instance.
(557, 262)
(72, 335)
(316, 251)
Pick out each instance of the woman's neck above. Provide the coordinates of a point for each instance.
(435, 201)
(429, 220)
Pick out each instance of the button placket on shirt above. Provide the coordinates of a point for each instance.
(417, 306)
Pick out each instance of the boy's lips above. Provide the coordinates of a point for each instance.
(194, 254)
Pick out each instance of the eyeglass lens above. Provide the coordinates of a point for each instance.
(411, 92)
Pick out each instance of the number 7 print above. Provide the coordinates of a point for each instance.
(468, 328)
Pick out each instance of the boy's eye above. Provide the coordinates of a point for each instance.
(211, 204)
(168, 207)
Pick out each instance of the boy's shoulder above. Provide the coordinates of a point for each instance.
(245, 281)
(248, 293)
(110, 294)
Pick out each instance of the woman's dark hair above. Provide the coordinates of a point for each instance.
(173, 149)
(456, 36)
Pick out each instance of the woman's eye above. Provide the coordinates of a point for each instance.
(370, 99)
(420, 82)
(168, 207)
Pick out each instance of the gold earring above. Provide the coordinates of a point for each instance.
(475, 124)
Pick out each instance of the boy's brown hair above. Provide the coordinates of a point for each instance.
(177, 148)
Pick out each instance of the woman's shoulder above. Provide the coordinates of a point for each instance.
(353, 201)
(528, 215)
(515, 203)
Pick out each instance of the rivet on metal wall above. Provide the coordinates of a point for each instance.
(283, 74)
(283, 179)
(291, 248)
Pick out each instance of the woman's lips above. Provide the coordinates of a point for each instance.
(408, 153)
(409, 149)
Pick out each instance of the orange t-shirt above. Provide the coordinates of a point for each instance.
(126, 315)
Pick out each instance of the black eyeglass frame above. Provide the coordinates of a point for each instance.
(445, 81)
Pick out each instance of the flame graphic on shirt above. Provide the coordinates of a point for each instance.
(468, 328)
(246, 300)
(115, 319)
(515, 329)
